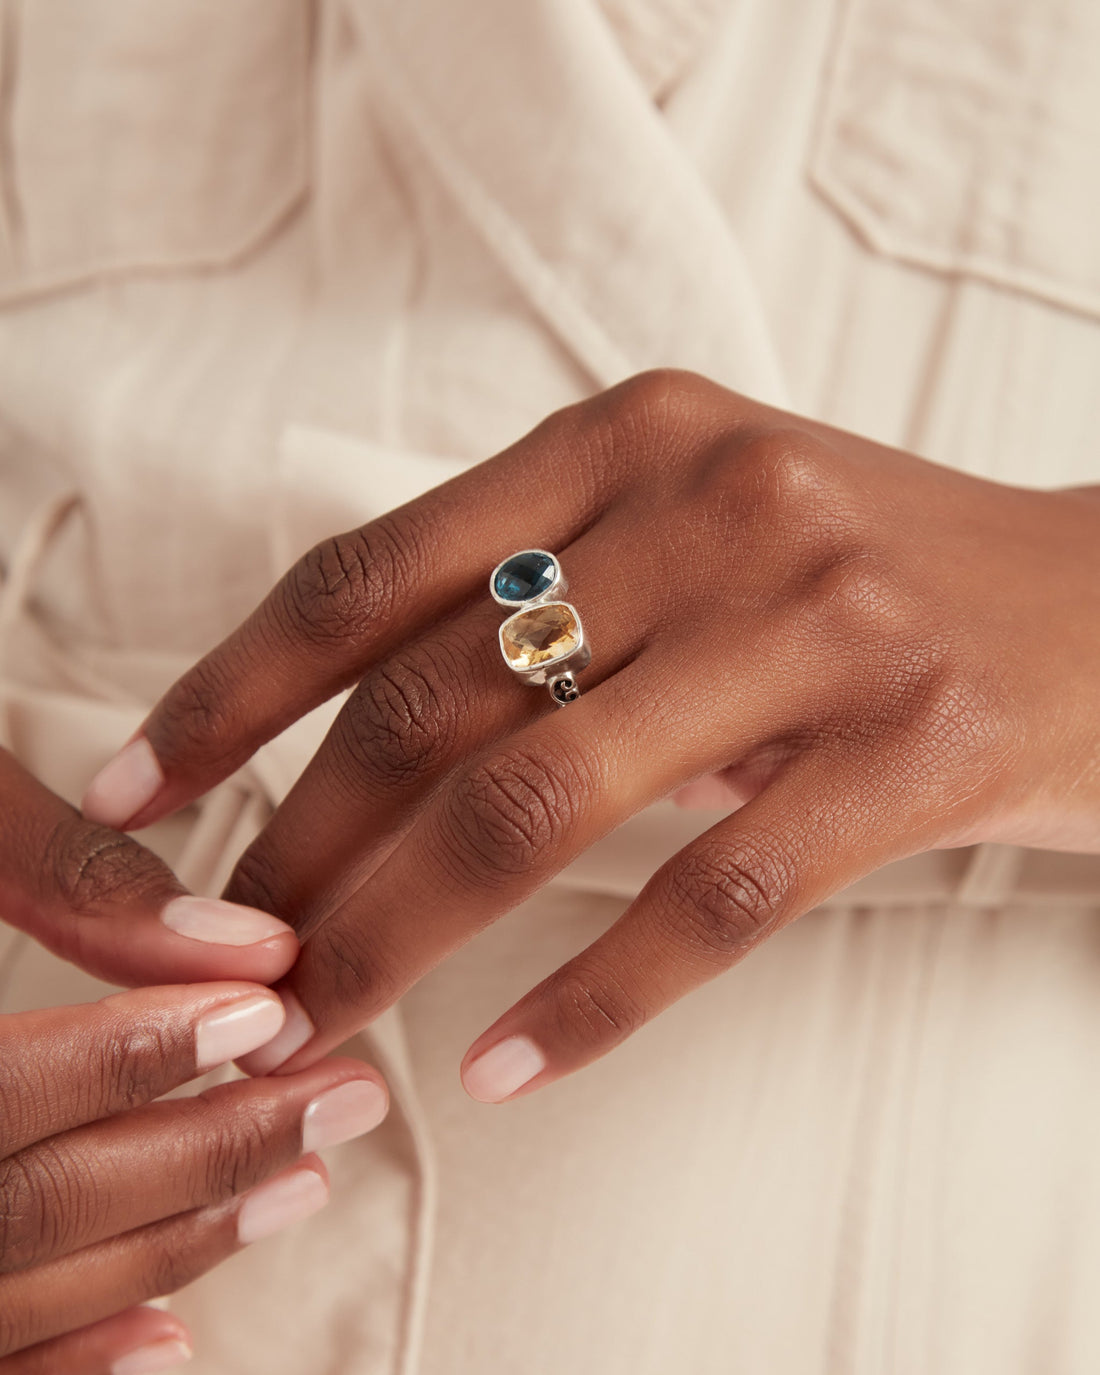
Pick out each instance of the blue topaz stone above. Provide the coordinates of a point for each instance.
(524, 576)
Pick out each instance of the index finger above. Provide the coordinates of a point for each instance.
(347, 602)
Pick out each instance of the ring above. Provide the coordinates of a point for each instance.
(542, 640)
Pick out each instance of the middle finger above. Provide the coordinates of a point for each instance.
(414, 717)
(123, 1172)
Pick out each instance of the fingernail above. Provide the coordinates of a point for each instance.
(347, 1111)
(287, 1198)
(146, 1360)
(220, 923)
(235, 1030)
(125, 786)
(502, 1069)
(297, 1030)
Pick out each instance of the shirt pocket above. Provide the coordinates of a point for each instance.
(964, 136)
(146, 134)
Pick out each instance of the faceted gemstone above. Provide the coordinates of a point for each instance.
(540, 635)
(524, 576)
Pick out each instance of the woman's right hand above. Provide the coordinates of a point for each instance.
(108, 1198)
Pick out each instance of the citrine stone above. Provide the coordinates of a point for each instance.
(524, 576)
(540, 635)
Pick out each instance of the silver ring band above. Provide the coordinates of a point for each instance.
(542, 639)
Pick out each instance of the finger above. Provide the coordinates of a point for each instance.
(412, 719)
(345, 604)
(416, 716)
(824, 822)
(64, 1066)
(170, 1157)
(503, 825)
(353, 599)
(104, 902)
(140, 1341)
(37, 1305)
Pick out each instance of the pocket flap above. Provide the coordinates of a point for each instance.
(966, 137)
(140, 135)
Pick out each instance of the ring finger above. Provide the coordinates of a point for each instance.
(173, 1156)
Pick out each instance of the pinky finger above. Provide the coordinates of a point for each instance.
(140, 1341)
(41, 1304)
(815, 829)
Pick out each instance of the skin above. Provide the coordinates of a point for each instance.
(865, 655)
(108, 1198)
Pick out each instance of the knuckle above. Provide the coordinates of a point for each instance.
(348, 584)
(19, 1212)
(513, 810)
(785, 476)
(648, 412)
(260, 880)
(25, 1089)
(959, 725)
(663, 392)
(47, 1198)
(790, 466)
(122, 1067)
(240, 1148)
(195, 720)
(355, 975)
(17, 1318)
(936, 722)
(632, 422)
(88, 866)
(722, 901)
(171, 1267)
(401, 720)
(857, 592)
(593, 1007)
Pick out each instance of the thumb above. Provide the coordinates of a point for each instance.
(102, 901)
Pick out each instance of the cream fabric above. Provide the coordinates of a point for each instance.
(268, 269)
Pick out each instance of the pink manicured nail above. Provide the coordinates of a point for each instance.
(297, 1030)
(347, 1111)
(220, 923)
(502, 1069)
(236, 1029)
(125, 786)
(147, 1360)
(272, 1206)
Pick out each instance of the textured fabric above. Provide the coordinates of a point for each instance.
(417, 228)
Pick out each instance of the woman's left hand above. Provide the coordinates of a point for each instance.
(876, 656)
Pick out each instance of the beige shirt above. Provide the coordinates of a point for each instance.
(269, 268)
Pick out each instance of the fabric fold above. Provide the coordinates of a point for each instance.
(629, 259)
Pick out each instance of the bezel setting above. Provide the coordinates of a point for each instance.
(551, 593)
(558, 672)
(571, 661)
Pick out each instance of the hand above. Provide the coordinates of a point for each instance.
(877, 655)
(108, 1199)
(105, 903)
